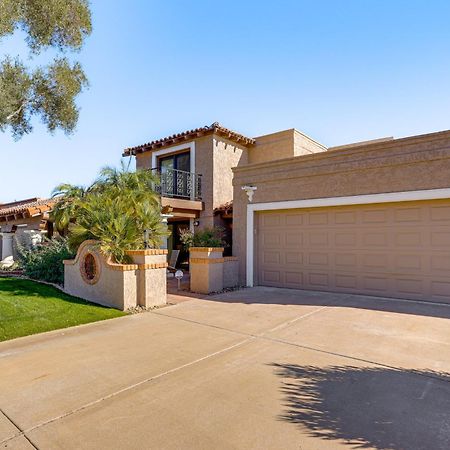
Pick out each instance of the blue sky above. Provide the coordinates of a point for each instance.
(340, 71)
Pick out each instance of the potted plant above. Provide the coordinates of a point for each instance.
(205, 258)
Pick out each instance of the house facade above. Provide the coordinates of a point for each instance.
(196, 170)
(370, 217)
(23, 221)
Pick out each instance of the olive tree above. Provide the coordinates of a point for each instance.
(48, 91)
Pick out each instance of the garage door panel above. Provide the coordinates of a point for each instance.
(410, 286)
(293, 258)
(346, 239)
(440, 289)
(408, 215)
(293, 219)
(375, 261)
(411, 263)
(317, 239)
(294, 278)
(370, 216)
(346, 281)
(293, 239)
(345, 218)
(394, 250)
(271, 257)
(375, 239)
(271, 276)
(409, 239)
(440, 239)
(440, 263)
(346, 260)
(318, 259)
(318, 218)
(318, 279)
(440, 213)
(272, 239)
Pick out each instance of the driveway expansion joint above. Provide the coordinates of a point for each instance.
(20, 433)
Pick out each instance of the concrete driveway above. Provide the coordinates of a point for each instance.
(259, 368)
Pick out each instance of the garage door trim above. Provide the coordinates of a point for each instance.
(429, 194)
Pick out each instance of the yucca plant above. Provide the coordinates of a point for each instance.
(115, 210)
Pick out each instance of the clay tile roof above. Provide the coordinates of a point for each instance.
(190, 134)
(29, 207)
(226, 208)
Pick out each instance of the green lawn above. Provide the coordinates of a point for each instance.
(27, 308)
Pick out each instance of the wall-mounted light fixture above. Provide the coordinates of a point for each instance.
(249, 190)
(196, 223)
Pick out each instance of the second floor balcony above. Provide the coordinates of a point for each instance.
(179, 184)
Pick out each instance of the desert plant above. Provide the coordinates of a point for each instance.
(115, 210)
(45, 260)
(64, 211)
(205, 237)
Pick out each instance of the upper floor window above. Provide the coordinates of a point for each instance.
(178, 161)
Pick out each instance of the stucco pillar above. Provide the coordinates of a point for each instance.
(7, 246)
(206, 269)
(151, 276)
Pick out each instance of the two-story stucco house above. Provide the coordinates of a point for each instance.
(370, 217)
(196, 171)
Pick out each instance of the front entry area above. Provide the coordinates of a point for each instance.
(176, 228)
(390, 249)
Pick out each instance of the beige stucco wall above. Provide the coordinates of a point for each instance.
(226, 156)
(206, 269)
(215, 157)
(416, 163)
(121, 286)
(281, 145)
(230, 272)
(115, 288)
(151, 277)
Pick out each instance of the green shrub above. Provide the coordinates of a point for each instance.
(45, 261)
(205, 237)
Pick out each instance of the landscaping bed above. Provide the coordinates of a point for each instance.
(28, 307)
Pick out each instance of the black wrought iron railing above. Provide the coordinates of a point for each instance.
(179, 184)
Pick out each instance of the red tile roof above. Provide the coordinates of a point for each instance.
(26, 208)
(226, 208)
(190, 134)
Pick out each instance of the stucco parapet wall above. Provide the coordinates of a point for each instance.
(206, 249)
(152, 266)
(408, 150)
(111, 265)
(124, 267)
(230, 258)
(148, 252)
(206, 260)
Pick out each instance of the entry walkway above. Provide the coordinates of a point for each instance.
(258, 368)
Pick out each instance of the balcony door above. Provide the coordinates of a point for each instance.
(175, 175)
(179, 161)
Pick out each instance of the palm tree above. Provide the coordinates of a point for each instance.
(115, 210)
(64, 210)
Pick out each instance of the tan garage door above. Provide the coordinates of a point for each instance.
(392, 249)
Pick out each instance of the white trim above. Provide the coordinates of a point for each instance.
(406, 196)
(167, 151)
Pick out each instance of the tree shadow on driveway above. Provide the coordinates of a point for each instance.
(368, 407)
